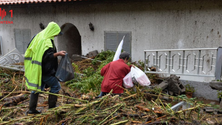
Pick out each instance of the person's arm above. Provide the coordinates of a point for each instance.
(49, 54)
(60, 53)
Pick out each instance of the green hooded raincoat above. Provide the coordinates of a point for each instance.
(34, 54)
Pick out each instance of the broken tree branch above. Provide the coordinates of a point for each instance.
(120, 122)
(14, 100)
(60, 95)
(120, 105)
(9, 93)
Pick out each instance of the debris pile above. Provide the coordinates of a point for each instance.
(136, 106)
(145, 106)
(172, 85)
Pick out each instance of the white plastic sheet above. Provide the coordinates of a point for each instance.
(118, 51)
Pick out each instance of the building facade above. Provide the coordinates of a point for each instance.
(90, 25)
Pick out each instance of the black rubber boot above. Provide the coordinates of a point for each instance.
(52, 101)
(33, 104)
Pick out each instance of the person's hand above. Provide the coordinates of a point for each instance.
(62, 53)
(133, 66)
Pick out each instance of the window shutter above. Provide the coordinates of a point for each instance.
(22, 38)
(113, 38)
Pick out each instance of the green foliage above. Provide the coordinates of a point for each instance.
(189, 88)
(151, 76)
(216, 106)
(219, 94)
(94, 122)
(87, 83)
(169, 104)
(182, 97)
(4, 74)
(157, 90)
(76, 68)
(91, 80)
(141, 63)
(192, 99)
(89, 71)
(77, 78)
(104, 55)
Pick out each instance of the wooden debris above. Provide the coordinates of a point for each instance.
(14, 100)
(157, 111)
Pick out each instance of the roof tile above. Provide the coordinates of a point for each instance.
(7, 2)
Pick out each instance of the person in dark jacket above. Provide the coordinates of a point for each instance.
(41, 64)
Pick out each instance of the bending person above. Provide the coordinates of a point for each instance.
(113, 73)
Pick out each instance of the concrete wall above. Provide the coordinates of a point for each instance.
(155, 24)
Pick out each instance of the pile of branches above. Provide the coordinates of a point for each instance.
(135, 106)
(138, 105)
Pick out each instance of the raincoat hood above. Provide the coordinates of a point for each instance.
(49, 32)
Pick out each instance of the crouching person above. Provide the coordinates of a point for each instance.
(113, 73)
(41, 64)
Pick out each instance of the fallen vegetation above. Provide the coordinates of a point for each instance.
(77, 103)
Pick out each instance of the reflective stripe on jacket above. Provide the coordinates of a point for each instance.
(34, 54)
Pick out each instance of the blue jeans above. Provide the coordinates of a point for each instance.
(52, 82)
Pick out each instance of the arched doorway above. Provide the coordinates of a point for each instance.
(70, 41)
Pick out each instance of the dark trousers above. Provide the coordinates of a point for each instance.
(104, 93)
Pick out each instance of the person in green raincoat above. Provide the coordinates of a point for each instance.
(41, 64)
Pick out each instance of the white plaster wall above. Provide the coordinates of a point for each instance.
(154, 24)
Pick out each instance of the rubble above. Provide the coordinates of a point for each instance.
(11, 57)
(128, 109)
(145, 106)
(172, 85)
(76, 57)
(216, 85)
(92, 54)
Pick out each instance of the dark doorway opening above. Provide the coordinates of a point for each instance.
(70, 41)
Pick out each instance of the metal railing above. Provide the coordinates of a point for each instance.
(205, 62)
